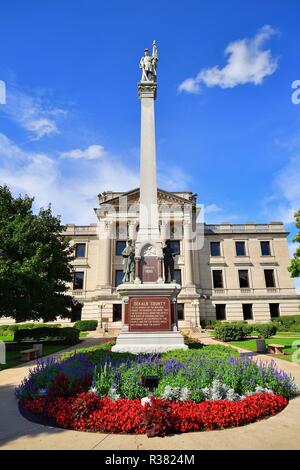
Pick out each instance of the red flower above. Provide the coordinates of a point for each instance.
(88, 412)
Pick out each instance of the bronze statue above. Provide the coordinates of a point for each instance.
(129, 263)
(169, 256)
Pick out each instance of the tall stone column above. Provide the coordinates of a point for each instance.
(188, 260)
(106, 255)
(148, 229)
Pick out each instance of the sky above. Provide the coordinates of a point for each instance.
(227, 117)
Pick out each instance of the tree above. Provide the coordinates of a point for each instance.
(34, 261)
(295, 265)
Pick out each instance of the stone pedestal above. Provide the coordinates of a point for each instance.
(149, 318)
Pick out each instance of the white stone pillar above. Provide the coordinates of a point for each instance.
(106, 255)
(148, 229)
(188, 260)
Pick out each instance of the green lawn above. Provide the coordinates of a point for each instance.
(13, 357)
(250, 345)
(7, 338)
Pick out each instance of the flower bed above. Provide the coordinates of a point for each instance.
(200, 389)
(87, 412)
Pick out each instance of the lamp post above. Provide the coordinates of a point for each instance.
(196, 305)
(101, 305)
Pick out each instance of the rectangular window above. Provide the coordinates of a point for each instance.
(243, 278)
(265, 248)
(78, 280)
(215, 249)
(218, 278)
(120, 245)
(175, 245)
(80, 250)
(220, 311)
(180, 311)
(177, 276)
(269, 277)
(247, 312)
(117, 312)
(240, 248)
(119, 274)
(274, 310)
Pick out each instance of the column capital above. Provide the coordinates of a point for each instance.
(147, 90)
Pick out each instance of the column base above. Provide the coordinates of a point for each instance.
(158, 342)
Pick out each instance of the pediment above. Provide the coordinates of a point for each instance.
(133, 196)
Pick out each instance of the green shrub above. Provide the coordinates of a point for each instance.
(265, 330)
(208, 324)
(86, 325)
(30, 326)
(67, 335)
(286, 320)
(231, 332)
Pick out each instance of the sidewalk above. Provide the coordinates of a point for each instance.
(278, 432)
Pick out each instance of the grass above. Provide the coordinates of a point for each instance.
(13, 357)
(250, 345)
(83, 334)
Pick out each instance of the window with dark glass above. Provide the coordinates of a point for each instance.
(247, 312)
(240, 248)
(120, 245)
(274, 310)
(215, 249)
(119, 274)
(80, 250)
(265, 248)
(243, 278)
(220, 311)
(177, 276)
(175, 245)
(269, 278)
(78, 280)
(180, 311)
(117, 312)
(217, 278)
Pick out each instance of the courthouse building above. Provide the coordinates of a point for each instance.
(233, 271)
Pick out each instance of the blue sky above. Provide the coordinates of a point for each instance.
(226, 126)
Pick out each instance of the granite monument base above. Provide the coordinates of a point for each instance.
(160, 341)
(149, 316)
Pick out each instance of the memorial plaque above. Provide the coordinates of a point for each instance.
(149, 269)
(151, 313)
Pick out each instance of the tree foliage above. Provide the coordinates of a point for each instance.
(34, 261)
(295, 265)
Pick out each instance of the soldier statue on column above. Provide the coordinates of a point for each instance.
(148, 64)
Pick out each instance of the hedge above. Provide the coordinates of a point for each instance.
(22, 326)
(68, 335)
(265, 330)
(86, 325)
(232, 331)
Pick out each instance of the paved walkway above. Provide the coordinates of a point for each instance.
(278, 432)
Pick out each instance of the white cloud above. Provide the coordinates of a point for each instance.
(212, 208)
(247, 62)
(190, 85)
(73, 196)
(285, 199)
(32, 113)
(92, 152)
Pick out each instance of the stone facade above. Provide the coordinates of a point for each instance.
(241, 252)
